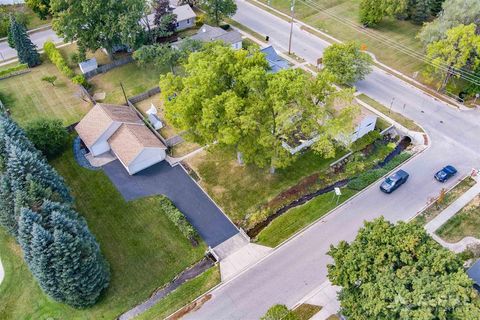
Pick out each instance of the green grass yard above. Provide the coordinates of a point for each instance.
(240, 190)
(399, 32)
(29, 98)
(144, 249)
(298, 218)
(463, 224)
(135, 80)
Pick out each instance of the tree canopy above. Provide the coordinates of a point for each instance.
(455, 12)
(217, 10)
(48, 135)
(373, 11)
(347, 62)
(399, 272)
(99, 24)
(460, 49)
(230, 98)
(40, 7)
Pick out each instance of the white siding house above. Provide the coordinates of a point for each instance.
(185, 17)
(118, 129)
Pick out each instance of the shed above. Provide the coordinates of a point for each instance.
(88, 65)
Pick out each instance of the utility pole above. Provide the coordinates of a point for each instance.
(292, 13)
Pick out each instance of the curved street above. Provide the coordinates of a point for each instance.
(298, 267)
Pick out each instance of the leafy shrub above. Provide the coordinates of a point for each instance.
(13, 69)
(75, 58)
(57, 59)
(48, 135)
(256, 217)
(365, 141)
(369, 177)
(80, 79)
(178, 218)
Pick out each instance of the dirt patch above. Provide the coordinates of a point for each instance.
(472, 205)
(194, 306)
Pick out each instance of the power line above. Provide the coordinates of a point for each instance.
(464, 74)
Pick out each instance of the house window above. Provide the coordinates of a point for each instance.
(178, 24)
(188, 21)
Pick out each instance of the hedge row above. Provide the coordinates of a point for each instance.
(177, 218)
(10, 70)
(57, 59)
(367, 178)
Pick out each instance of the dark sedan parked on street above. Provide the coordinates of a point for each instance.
(394, 181)
(445, 174)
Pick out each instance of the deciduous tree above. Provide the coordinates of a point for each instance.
(40, 7)
(455, 12)
(217, 10)
(460, 49)
(399, 272)
(347, 62)
(48, 135)
(99, 24)
(373, 11)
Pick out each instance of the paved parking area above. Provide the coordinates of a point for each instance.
(212, 225)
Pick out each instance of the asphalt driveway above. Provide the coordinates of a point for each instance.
(212, 225)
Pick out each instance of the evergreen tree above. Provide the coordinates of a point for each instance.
(24, 166)
(26, 50)
(420, 11)
(435, 6)
(7, 207)
(10, 130)
(63, 255)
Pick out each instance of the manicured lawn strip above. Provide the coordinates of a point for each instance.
(135, 80)
(465, 223)
(306, 311)
(407, 123)
(29, 98)
(298, 218)
(333, 317)
(144, 249)
(436, 208)
(245, 29)
(242, 189)
(183, 295)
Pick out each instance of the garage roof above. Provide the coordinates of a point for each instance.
(130, 140)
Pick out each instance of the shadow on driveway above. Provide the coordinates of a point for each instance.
(212, 225)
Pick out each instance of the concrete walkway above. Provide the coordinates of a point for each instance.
(326, 297)
(447, 214)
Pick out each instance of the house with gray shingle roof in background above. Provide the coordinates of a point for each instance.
(119, 130)
(209, 34)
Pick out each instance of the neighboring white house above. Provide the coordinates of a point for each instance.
(118, 129)
(365, 124)
(209, 34)
(185, 18)
(88, 65)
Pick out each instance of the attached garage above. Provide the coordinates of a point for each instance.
(119, 130)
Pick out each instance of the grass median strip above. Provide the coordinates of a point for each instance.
(407, 123)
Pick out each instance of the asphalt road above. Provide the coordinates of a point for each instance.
(38, 38)
(298, 267)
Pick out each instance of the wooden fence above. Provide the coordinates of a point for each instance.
(107, 67)
(144, 95)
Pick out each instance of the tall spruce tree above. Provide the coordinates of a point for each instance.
(420, 11)
(26, 50)
(7, 206)
(63, 255)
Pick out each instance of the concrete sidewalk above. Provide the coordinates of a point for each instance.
(447, 214)
(456, 206)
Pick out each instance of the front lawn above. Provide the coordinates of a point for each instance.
(298, 218)
(463, 224)
(135, 80)
(29, 98)
(144, 249)
(240, 190)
